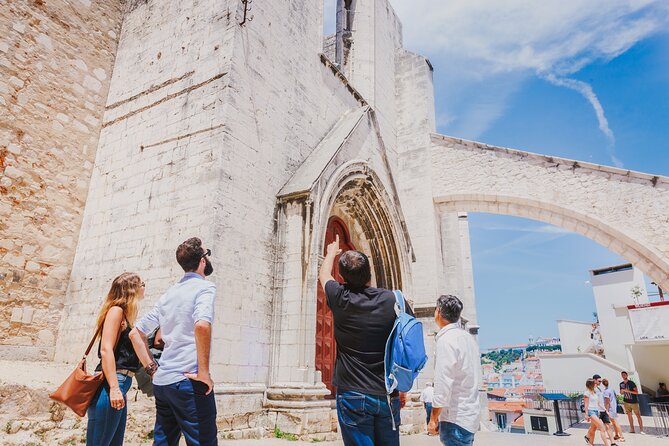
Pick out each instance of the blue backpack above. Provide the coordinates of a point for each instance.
(405, 350)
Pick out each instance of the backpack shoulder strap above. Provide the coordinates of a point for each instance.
(399, 299)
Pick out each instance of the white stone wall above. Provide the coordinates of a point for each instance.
(377, 37)
(160, 168)
(416, 120)
(205, 122)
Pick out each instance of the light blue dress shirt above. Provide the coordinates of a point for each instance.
(176, 312)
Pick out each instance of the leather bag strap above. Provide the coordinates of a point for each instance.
(90, 344)
(98, 332)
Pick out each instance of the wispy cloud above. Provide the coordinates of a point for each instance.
(527, 242)
(532, 228)
(586, 90)
(480, 42)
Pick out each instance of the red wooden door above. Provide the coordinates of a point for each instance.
(325, 342)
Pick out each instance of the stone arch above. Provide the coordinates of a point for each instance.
(625, 211)
(356, 193)
(587, 225)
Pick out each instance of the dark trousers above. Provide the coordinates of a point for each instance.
(428, 411)
(183, 407)
(365, 420)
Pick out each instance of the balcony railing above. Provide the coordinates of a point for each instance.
(661, 417)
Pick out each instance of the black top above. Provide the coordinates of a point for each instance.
(126, 359)
(627, 397)
(363, 319)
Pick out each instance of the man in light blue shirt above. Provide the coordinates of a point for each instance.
(182, 384)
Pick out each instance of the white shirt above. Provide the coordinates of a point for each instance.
(593, 399)
(183, 304)
(427, 395)
(457, 378)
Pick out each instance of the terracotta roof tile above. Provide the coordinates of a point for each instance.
(506, 406)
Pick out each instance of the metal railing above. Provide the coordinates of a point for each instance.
(571, 410)
(661, 417)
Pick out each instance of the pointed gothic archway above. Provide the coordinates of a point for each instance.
(359, 213)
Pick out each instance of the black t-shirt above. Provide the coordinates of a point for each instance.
(363, 319)
(126, 358)
(627, 397)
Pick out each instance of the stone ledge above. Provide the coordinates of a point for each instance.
(550, 161)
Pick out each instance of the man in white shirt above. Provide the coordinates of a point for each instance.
(456, 410)
(426, 397)
(182, 386)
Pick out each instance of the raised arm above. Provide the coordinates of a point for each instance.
(325, 273)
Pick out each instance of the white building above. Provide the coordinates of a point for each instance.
(634, 334)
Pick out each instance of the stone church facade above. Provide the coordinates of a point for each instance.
(129, 127)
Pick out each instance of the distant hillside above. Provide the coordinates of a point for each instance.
(507, 356)
(501, 357)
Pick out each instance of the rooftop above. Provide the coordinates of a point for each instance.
(506, 406)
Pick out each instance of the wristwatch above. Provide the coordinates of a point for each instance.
(151, 369)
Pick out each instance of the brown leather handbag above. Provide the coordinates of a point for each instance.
(79, 388)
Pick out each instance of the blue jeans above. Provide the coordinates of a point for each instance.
(106, 425)
(183, 407)
(365, 420)
(451, 434)
(428, 412)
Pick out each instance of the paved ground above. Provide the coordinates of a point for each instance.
(500, 439)
(49, 375)
(481, 439)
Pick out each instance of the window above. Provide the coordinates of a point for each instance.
(501, 421)
(539, 424)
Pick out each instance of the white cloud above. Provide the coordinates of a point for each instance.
(531, 228)
(479, 41)
(543, 36)
(586, 90)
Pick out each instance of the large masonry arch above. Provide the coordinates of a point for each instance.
(625, 211)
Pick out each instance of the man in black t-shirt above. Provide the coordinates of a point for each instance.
(363, 318)
(629, 391)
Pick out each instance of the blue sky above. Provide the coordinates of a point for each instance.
(586, 80)
(581, 79)
(534, 273)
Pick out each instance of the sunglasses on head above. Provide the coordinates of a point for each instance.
(207, 253)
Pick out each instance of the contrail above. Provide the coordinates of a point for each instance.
(586, 91)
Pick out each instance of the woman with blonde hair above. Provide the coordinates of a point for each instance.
(107, 413)
(592, 409)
